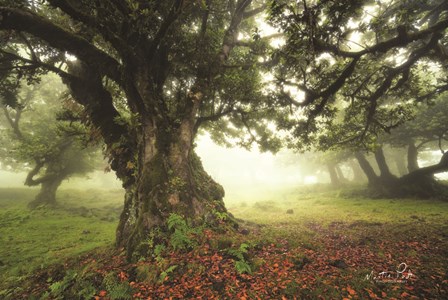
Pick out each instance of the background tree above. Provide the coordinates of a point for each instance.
(427, 131)
(33, 140)
(359, 68)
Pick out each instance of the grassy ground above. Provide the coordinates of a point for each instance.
(32, 240)
(311, 244)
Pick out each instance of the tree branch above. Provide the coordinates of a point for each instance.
(109, 35)
(14, 125)
(169, 19)
(55, 36)
(37, 63)
(400, 40)
(254, 12)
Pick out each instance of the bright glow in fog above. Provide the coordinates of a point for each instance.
(247, 175)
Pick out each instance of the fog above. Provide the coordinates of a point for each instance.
(248, 175)
(245, 175)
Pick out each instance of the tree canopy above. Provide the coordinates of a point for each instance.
(358, 66)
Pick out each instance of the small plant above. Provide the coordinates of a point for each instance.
(72, 286)
(158, 251)
(241, 264)
(221, 216)
(58, 289)
(117, 290)
(167, 272)
(242, 267)
(181, 237)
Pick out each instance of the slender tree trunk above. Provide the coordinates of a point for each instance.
(47, 193)
(358, 174)
(341, 176)
(412, 157)
(401, 165)
(333, 175)
(385, 173)
(367, 168)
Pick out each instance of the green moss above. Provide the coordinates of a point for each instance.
(206, 186)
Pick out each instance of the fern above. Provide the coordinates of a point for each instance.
(242, 266)
(180, 238)
(239, 253)
(120, 291)
(167, 272)
(117, 290)
(158, 251)
(58, 288)
(176, 221)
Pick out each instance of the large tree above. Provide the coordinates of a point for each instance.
(36, 139)
(149, 74)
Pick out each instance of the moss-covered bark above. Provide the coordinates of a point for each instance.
(173, 180)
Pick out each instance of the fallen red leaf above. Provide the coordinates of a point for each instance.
(404, 294)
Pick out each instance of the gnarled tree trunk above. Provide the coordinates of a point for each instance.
(169, 178)
(421, 182)
(47, 193)
(401, 165)
(49, 183)
(358, 174)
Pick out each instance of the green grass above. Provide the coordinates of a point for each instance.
(332, 206)
(327, 222)
(33, 240)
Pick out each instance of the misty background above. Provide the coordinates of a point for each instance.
(245, 175)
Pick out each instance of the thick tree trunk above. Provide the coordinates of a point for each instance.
(47, 193)
(334, 178)
(401, 165)
(385, 173)
(169, 179)
(367, 168)
(412, 157)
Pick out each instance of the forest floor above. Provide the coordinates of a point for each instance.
(311, 244)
